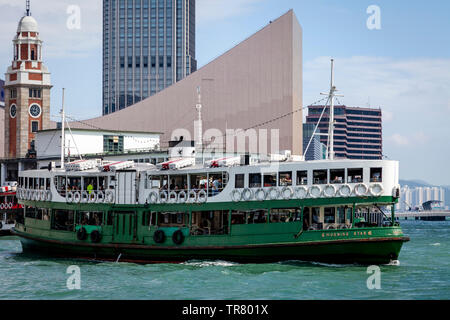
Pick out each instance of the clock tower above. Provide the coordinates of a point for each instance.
(27, 91)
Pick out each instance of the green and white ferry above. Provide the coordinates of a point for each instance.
(233, 208)
(330, 211)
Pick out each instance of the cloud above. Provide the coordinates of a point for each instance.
(213, 10)
(399, 140)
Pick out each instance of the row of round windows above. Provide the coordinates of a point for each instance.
(34, 110)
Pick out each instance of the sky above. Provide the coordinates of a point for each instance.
(402, 66)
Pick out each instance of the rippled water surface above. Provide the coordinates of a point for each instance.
(423, 273)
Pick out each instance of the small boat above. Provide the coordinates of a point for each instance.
(8, 208)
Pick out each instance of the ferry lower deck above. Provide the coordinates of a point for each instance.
(336, 230)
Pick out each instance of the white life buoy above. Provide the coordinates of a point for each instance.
(287, 193)
(69, 197)
(202, 196)
(109, 196)
(192, 196)
(360, 189)
(273, 193)
(10, 205)
(182, 197)
(301, 192)
(84, 197)
(48, 195)
(329, 190)
(236, 195)
(100, 197)
(43, 198)
(345, 190)
(92, 197)
(376, 189)
(33, 195)
(173, 197)
(2, 206)
(315, 191)
(153, 197)
(247, 194)
(163, 197)
(76, 197)
(260, 194)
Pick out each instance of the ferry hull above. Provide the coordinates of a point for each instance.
(362, 251)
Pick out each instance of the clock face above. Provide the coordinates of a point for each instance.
(13, 111)
(35, 110)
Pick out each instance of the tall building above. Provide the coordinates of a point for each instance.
(357, 132)
(147, 46)
(315, 149)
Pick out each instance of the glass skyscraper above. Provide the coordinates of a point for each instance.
(147, 46)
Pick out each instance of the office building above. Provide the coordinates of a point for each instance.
(147, 46)
(315, 150)
(357, 132)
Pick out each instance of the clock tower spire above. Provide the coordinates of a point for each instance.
(27, 90)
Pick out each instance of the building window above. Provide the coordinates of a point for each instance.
(112, 143)
(34, 126)
(35, 93)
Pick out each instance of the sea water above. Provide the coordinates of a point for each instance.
(423, 272)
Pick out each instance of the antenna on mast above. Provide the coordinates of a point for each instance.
(63, 138)
(331, 95)
(28, 8)
(199, 125)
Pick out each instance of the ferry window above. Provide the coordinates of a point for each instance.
(215, 184)
(237, 217)
(172, 219)
(199, 181)
(375, 174)
(101, 183)
(256, 216)
(64, 220)
(330, 215)
(30, 212)
(341, 215)
(284, 215)
(158, 182)
(337, 175)
(270, 180)
(210, 222)
(41, 183)
(149, 218)
(178, 183)
(354, 175)
(285, 179)
(74, 183)
(319, 176)
(90, 218)
(239, 181)
(302, 178)
(306, 218)
(254, 180)
(47, 184)
(315, 218)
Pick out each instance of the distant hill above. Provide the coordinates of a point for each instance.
(420, 183)
(414, 183)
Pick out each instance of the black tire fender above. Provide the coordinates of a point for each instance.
(159, 236)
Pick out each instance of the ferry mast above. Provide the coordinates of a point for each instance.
(331, 95)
